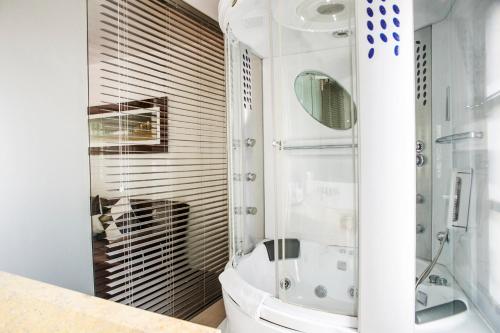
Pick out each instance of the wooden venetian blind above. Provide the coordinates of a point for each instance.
(158, 155)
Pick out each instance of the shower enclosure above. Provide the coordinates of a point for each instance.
(328, 103)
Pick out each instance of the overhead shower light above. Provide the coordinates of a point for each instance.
(330, 9)
(322, 11)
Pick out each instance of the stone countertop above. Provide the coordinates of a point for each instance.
(31, 306)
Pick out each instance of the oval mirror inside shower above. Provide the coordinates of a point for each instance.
(325, 100)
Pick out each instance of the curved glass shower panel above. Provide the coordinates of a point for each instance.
(463, 76)
(473, 215)
(314, 107)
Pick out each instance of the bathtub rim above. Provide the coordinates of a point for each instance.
(295, 317)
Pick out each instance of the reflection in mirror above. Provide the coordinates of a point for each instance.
(325, 100)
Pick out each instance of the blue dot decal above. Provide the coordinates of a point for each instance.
(371, 53)
(378, 26)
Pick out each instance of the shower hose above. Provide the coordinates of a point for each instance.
(429, 268)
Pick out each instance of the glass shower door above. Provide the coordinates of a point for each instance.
(315, 115)
(465, 183)
(472, 144)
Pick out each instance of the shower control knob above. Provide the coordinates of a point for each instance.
(353, 292)
(442, 236)
(250, 142)
(420, 198)
(433, 278)
(442, 281)
(285, 284)
(420, 146)
(420, 160)
(251, 177)
(251, 210)
(420, 229)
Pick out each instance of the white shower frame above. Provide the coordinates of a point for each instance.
(386, 178)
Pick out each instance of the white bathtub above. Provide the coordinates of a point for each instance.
(248, 291)
(254, 278)
(465, 322)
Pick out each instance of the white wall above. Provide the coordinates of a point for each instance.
(208, 7)
(44, 174)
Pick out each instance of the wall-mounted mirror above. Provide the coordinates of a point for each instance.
(325, 100)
